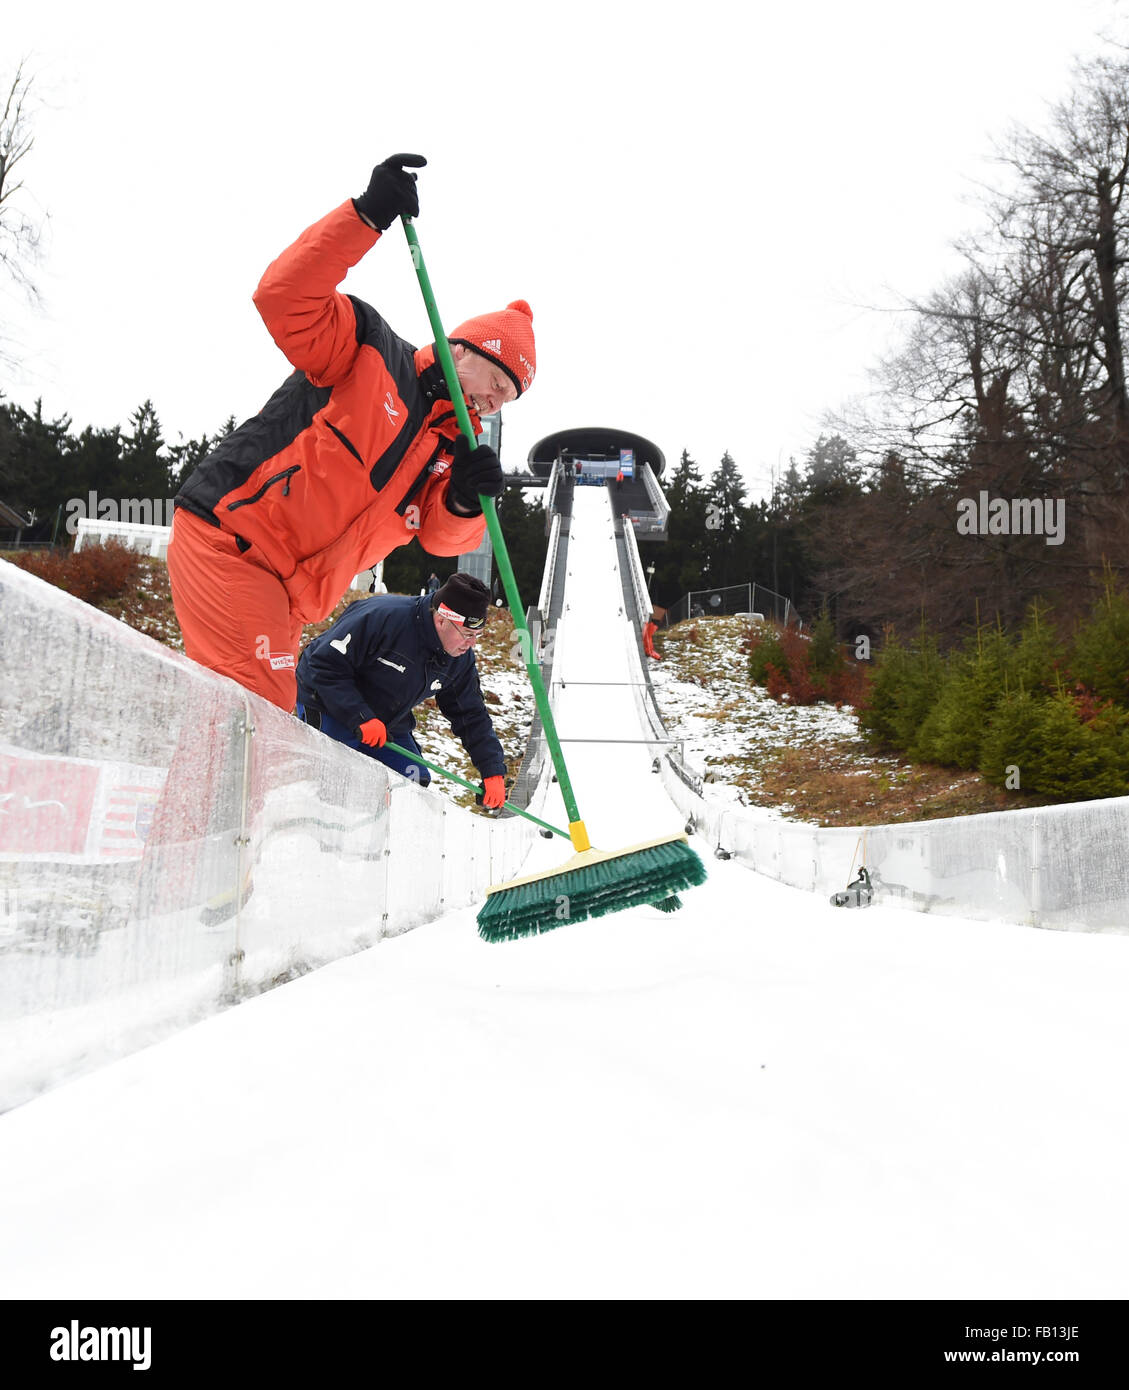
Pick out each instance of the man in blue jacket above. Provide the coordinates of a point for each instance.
(360, 680)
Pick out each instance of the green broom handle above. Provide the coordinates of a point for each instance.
(505, 569)
(454, 777)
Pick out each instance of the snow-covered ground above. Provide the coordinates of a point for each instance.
(726, 724)
(758, 1097)
(705, 696)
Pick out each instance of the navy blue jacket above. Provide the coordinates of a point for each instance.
(383, 657)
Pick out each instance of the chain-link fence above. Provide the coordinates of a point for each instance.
(728, 599)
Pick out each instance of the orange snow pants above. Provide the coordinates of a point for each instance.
(234, 614)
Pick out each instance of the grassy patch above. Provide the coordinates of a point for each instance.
(839, 782)
(808, 762)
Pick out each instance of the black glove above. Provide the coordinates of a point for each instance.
(473, 471)
(391, 191)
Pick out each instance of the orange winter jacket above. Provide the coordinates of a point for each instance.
(348, 459)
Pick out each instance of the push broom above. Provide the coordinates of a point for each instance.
(593, 882)
(669, 904)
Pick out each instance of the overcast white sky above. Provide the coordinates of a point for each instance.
(698, 200)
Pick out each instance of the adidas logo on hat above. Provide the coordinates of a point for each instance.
(509, 344)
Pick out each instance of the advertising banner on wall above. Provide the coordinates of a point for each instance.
(74, 810)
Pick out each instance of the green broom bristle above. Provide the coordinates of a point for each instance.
(652, 875)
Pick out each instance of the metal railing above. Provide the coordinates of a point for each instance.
(637, 600)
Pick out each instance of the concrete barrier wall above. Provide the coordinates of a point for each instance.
(1057, 866)
(170, 843)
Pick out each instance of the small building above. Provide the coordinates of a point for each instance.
(599, 456)
(13, 524)
(136, 535)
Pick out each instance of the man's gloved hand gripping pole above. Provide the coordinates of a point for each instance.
(391, 191)
(475, 472)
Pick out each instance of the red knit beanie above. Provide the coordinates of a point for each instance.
(505, 338)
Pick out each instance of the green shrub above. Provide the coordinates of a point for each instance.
(766, 651)
(1036, 663)
(1100, 659)
(825, 661)
(1037, 743)
(970, 686)
(903, 688)
(1011, 707)
(951, 732)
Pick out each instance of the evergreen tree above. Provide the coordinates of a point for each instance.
(37, 480)
(406, 568)
(1101, 646)
(684, 481)
(94, 463)
(1038, 744)
(724, 520)
(972, 683)
(1039, 655)
(824, 533)
(790, 495)
(183, 459)
(825, 656)
(44, 467)
(143, 471)
(680, 560)
(893, 479)
(903, 689)
(784, 570)
(833, 472)
(527, 542)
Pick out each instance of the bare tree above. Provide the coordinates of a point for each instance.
(945, 385)
(19, 231)
(1065, 225)
(1012, 378)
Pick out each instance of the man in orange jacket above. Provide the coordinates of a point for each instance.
(649, 630)
(357, 452)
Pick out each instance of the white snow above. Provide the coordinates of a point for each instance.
(758, 1097)
(725, 724)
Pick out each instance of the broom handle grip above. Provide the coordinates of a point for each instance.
(454, 777)
(501, 554)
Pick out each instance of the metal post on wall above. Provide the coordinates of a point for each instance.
(233, 974)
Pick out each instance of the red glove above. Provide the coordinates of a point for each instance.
(494, 792)
(373, 732)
